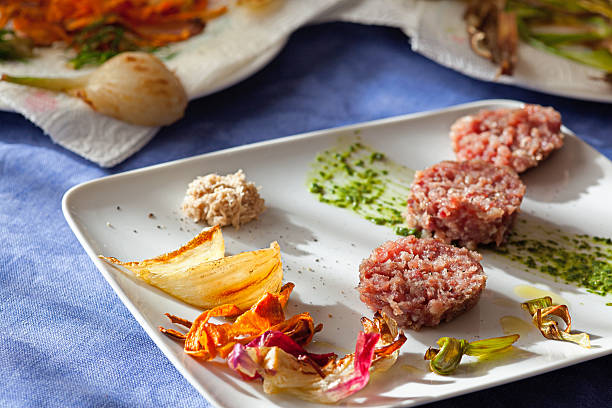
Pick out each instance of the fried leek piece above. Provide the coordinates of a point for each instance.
(444, 361)
(285, 367)
(542, 311)
(198, 273)
(208, 340)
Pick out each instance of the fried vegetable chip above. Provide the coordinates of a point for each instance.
(542, 311)
(286, 367)
(208, 340)
(200, 275)
(444, 361)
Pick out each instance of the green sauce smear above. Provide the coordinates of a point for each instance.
(356, 177)
(575, 258)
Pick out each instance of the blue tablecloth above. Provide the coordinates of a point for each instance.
(65, 337)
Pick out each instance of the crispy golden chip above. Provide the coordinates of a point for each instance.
(198, 274)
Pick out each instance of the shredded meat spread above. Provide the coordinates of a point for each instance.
(223, 200)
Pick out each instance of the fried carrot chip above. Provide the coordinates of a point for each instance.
(286, 367)
(542, 311)
(208, 340)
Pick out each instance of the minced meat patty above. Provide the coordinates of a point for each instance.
(471, 202)
(223, 200)
(519, 138)
(421, 281)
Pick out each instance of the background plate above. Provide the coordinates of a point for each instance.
(323, 245)
(442, 37)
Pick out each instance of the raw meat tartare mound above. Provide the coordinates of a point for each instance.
(519, 138)
(471, 202)
(421, 281)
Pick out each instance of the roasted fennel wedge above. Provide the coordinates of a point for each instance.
(200, 275)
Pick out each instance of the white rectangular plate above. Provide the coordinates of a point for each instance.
(322, 247)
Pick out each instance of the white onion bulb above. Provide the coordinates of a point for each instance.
(135, 87)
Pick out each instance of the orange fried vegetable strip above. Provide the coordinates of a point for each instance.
(154, 22)
(208, 340)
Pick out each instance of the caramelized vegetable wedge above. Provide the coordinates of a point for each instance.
(444, 361)
(542, 311)
(208, 340)
(198, 274)
(285, 367)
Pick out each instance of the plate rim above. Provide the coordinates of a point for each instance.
(155, 335)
